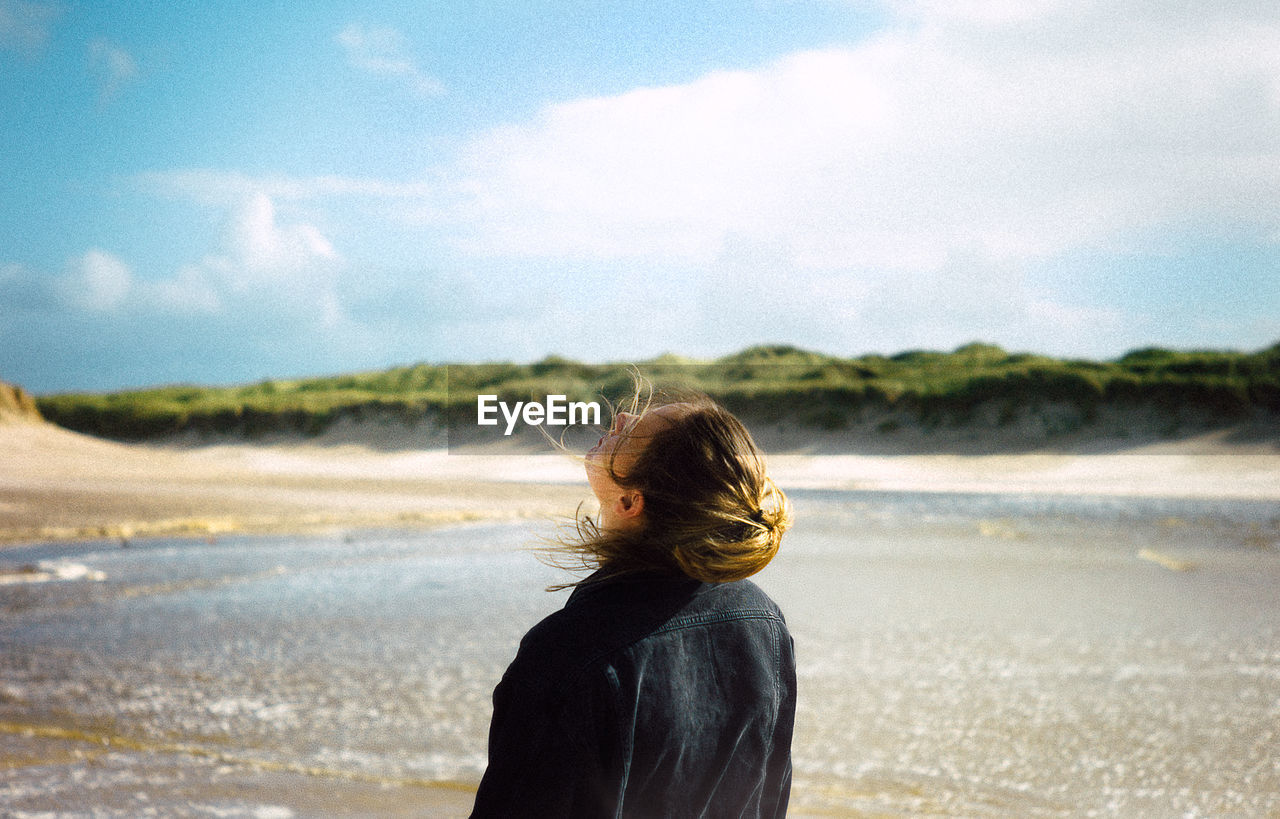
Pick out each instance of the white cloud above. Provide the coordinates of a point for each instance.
(384, 51)
(261, 246)
(900, 153)
(922, 188)
(286, 268)
(983, 12)
(229, 189)
(903, 188)
(191, 291)
(24, 27)
(112, 66)
(96, 282)
(260, 263)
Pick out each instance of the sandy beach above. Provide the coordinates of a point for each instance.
(56, 484)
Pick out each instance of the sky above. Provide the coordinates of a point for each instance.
(226, 192)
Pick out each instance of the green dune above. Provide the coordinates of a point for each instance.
(975, 387)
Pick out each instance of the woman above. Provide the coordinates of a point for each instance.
(666, 685)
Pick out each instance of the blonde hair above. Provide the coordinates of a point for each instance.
(710, 511)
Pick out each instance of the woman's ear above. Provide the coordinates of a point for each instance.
(628, 505)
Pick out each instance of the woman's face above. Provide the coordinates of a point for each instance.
(619, 447)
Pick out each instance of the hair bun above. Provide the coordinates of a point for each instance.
(774, 510)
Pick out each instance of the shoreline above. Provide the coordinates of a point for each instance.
(59, 485)
(238, 784)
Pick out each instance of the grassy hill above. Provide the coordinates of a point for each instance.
(976, 387)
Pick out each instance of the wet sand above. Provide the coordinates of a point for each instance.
(960, 655)
(178, 782)
(56, 485)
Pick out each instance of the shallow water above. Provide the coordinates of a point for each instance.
(959, 655)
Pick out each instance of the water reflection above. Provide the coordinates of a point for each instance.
(960, 655)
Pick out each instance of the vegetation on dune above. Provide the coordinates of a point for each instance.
(977, 385)
(16, 403)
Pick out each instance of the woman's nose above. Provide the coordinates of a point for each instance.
(621, 421)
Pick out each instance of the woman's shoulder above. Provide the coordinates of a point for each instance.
(606, 608)
(741, 593)
(609, 614)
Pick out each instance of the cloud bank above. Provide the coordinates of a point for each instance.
(1013, 132)
(918, 187)
(1014, 172)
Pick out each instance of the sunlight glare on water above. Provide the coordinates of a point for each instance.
(958, 655)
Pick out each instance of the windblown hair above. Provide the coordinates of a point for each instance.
(710, 511)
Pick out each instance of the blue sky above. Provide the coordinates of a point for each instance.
(225, 192)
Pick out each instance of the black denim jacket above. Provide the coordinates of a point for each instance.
(646, 696)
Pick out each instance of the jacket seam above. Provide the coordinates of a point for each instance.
(680, 624)
(694, 620)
